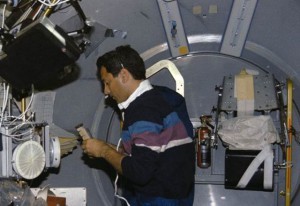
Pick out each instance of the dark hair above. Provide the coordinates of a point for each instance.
(122, 56)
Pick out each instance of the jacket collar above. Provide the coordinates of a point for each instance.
(143, 87)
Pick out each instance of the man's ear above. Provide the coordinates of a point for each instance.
(124, 75)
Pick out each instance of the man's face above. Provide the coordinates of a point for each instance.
(113, 86)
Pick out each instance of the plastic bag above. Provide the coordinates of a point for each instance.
(248, 132)
(12, 192)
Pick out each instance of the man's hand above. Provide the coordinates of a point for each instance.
(101, 149)
(95, 147)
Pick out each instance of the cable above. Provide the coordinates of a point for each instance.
(3, 16)
(15, 128)
(14, 137)
(23, 114)
(62, 8)
(51, 4)
(4, 103)
(117, 177)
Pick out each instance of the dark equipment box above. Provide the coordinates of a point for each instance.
(38, 55)
(236, 163)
